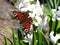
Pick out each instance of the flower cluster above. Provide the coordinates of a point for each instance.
(35, 11)
(56, 15)
(34, 8)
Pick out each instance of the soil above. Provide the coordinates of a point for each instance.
(5, 20)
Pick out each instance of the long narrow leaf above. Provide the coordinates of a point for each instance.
(42, 37)
(14, 39)
(8, 30)
(58, 3)
(6, 41)
(21, 42)
(48, 5)
(39, 37)
(55, 28)
(55, 4)
(51, 2)
(34, 39)
(50, 24)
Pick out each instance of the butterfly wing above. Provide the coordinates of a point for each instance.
(25, 15)
(27, 23)
(18, 15)
(21, 16)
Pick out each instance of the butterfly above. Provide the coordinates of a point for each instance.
(24, 19)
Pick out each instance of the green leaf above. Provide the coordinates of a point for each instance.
(34, 20)
(34, 27)
(8, 30)
(41, 38)
(47, 12)
(34, 38)
(21, 42)
(58, 3)
(58, 31)
(44, 38)
(58, 40)
(20, 36)
(14, 38)
(51, 2)
(48, 5)
(15, 1)
(55, 4)
(6, 41)
(58, 24)
(55, 28)
(50, 24)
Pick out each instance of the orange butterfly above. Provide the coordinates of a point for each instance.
(24, 19)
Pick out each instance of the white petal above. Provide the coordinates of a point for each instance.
(58, 43)
(45, 20)
(35, 23)
(59, 7)
(54, 38)
(39, 19)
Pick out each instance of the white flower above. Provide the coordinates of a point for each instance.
(35, 8)
(28, 38)
(56, 14)
(54, 38)
(22, 4)
(40, 22)
(39, 19)
(43, 23)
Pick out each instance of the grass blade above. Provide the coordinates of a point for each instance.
(6, 41)
(14, 38)
(50, 24)
(42, 38)
(39, 38)
(21, 42)
(55, 28)
(34, 38)
(51, 2)
(55, 4)
(8, 30)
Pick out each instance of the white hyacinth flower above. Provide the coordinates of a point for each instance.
(43, 23)
(28, 38)
(39, 20)
(56, 14)
(35, 8)
(54, 38)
